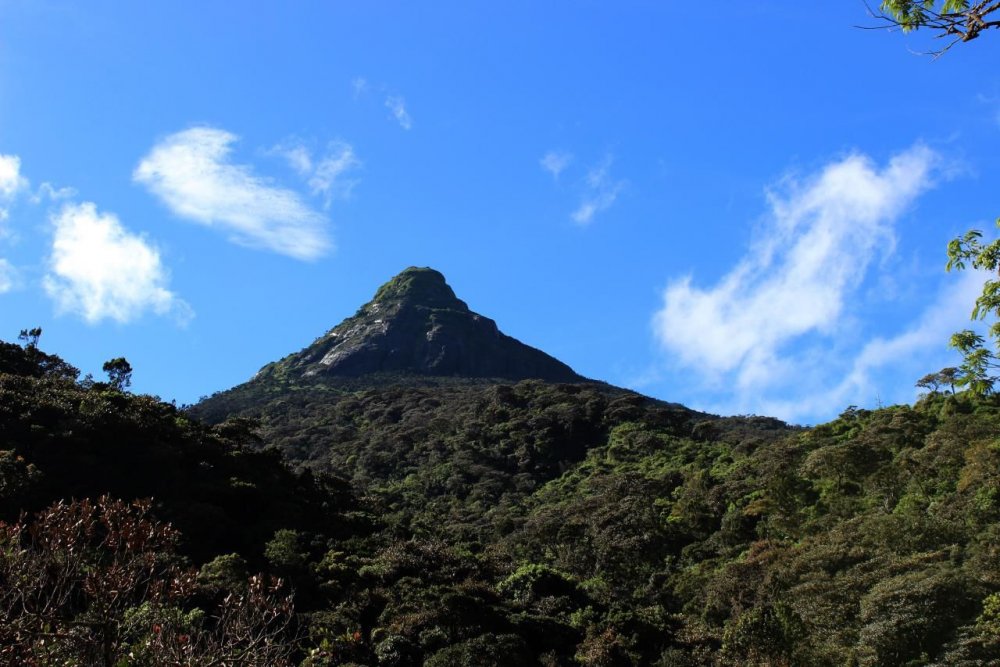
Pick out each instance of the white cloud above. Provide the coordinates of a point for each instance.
(99, 270)
(298, 157)
(48, 191)
(11, 182)
(397, 105)
(601, 192)
(818, 241)
(874, 372)
(947, 313)
(555, 162)
(324, 175)
(8, 276)
(191, 173)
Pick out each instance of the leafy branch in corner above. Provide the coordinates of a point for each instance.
(954, 20)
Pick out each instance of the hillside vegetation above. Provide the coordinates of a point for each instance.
(470, 522)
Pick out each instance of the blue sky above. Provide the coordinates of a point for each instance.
(745, 211)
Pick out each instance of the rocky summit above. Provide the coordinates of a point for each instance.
(415, 325)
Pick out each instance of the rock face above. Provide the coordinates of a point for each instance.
(415, 325)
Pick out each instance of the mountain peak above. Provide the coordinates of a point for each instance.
(419, 285)
(416, 325)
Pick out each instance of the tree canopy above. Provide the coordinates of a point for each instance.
(119, 372)
(484, 523)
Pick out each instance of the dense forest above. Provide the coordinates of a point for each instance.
(469, 522)
(417, 488)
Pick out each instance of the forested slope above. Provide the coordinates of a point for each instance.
(454, 522)
(655, 533)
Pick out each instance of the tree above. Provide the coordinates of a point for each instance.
(963, 252)
(912, 613)
(119, 372)
(100, 583)
(946, 377)
(977, 361)
(949, 376)
(929, 382)
(28, 360)
(955, 20)
(30, 337)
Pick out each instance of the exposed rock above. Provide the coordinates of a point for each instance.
(415, 325)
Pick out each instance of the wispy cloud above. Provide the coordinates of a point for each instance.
(359, 85)
(397, 106)
(796, 281)
(325, 174)
(394, 102)
(945, 314)
(8, 276)
(297, 155)
(601, 192)
(992, 102)
(50, 192)
(191, 172)
(874, 372)
(555, 162)
(99, 270)
(326, 179)
(11, 182)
